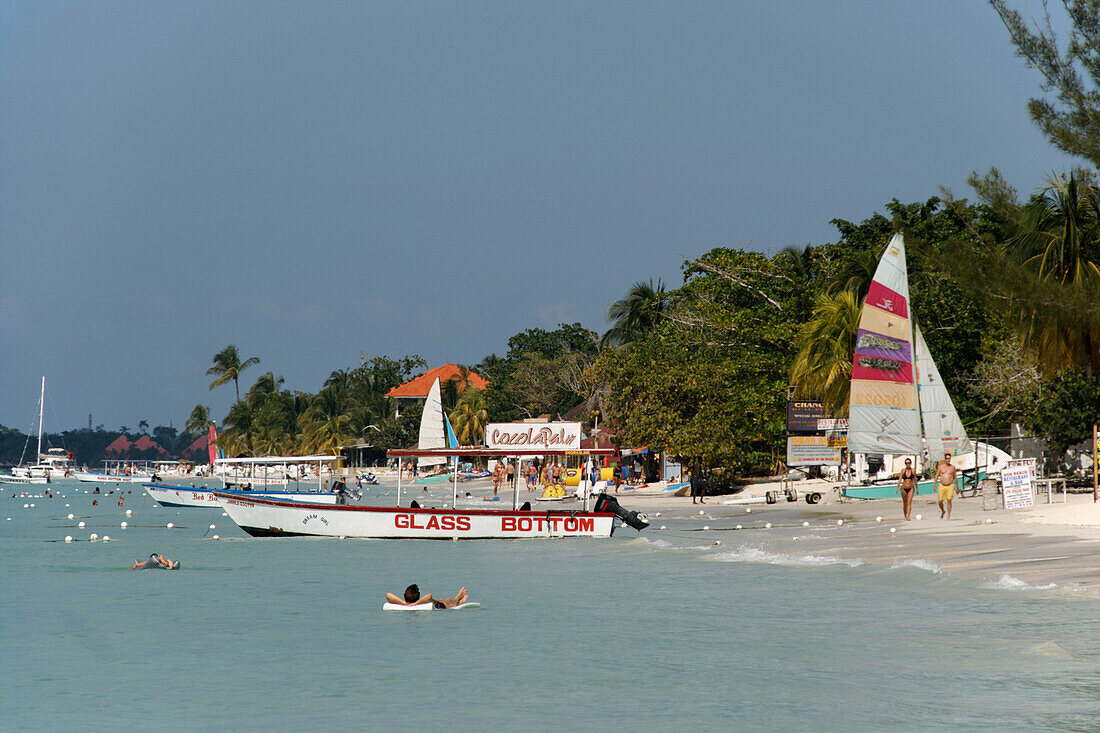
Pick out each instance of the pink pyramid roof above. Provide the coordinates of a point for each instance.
(120, 445)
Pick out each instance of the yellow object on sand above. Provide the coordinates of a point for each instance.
(553, 491)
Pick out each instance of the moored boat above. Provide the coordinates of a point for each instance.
(262, 517)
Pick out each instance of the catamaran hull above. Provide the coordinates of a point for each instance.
(889, 491)
(194, 496)
(265, 518)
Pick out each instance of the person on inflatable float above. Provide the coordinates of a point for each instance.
(413, 598)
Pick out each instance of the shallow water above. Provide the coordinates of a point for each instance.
(656, 632)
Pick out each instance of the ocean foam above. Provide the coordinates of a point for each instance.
(746, 553)
(920, 563)
(1007, 582)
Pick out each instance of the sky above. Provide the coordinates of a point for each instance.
(316, 181)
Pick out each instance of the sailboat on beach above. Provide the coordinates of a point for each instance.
(898, 404)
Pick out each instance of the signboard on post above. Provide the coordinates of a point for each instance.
(802, 415)
(1016, 487)
(526, 437)
(836, 431)
(811, 450)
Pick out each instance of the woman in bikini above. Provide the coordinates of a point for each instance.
(907, 487)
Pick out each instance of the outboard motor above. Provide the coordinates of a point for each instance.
(343, 492)
(607, 505)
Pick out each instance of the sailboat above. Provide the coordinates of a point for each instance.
(898, 403)
(54, 463)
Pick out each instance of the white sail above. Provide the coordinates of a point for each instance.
(432, 434)
(943, 430)
(883, 414)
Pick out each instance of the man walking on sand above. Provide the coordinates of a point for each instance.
(945, 485)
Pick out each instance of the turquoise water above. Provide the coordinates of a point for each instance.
(629, 633)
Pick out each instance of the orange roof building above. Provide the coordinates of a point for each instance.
(415, 391)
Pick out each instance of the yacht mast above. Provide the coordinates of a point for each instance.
(41, 406)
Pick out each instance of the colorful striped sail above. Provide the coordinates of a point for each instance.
(883, 411)
(943, 430)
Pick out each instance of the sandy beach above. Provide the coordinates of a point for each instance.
(1048, 543)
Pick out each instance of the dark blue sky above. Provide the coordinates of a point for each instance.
(315, 180)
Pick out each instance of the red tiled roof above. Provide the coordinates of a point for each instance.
(420, 386)
(119, 445)
(145, 443)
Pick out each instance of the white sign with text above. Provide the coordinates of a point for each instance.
(529, 437)
(1016, 488)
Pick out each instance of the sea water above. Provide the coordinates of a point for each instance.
(649, 631)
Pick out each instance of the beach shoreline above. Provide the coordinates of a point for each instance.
(1046, 544)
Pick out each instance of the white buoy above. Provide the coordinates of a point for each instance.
(32, 506)
(70, 516)
(68, 538)
(796, 539)
(212, 527)
(768, 525)
(718, 542)
(26, 506)
(878, 519)
(839, 522)
(893, 529)
(80, 524)
(700, 512)
(129, 512)
(224, 514)
(170, 525)
(805, 524)
(93, 537)
(66, 506)
(657, 514)
(123, 525)
(988, 521)
(216, 537)
(738, 526)
(706, 526)
(106, 538)
(920, 517)
(748, 510)
(663, 527)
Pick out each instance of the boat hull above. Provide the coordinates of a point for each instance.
(106, 478)
(166, 495)
(267, 518)
(889, 491)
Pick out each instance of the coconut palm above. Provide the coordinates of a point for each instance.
(635, 315)
(228, 366)
(1059, 245)
(324, 425)
(822, 368)
(470, 416)
(1060, 233)
(198, 421)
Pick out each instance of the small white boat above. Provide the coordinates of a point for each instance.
(54, 463)
(261, 517)
(167, 495)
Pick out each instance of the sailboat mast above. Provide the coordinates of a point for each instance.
(41, 408)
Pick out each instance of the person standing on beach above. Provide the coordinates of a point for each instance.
(510, 473)
(498, 475)
(907, 487)
(945, 485)
(698, 484)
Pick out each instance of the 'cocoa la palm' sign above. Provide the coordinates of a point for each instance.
(551, 436)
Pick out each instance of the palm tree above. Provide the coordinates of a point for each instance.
(1059, 245)
(325, 427)
(635, 315)
(228, 366)
(1060, 232)
(198, 421)
(470, 416)
(822, 367)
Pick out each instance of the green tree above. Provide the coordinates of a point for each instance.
(635, 315)
(1070, 115)
(822, 368)
(470, 416)
(228, 366)
(198, 421)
